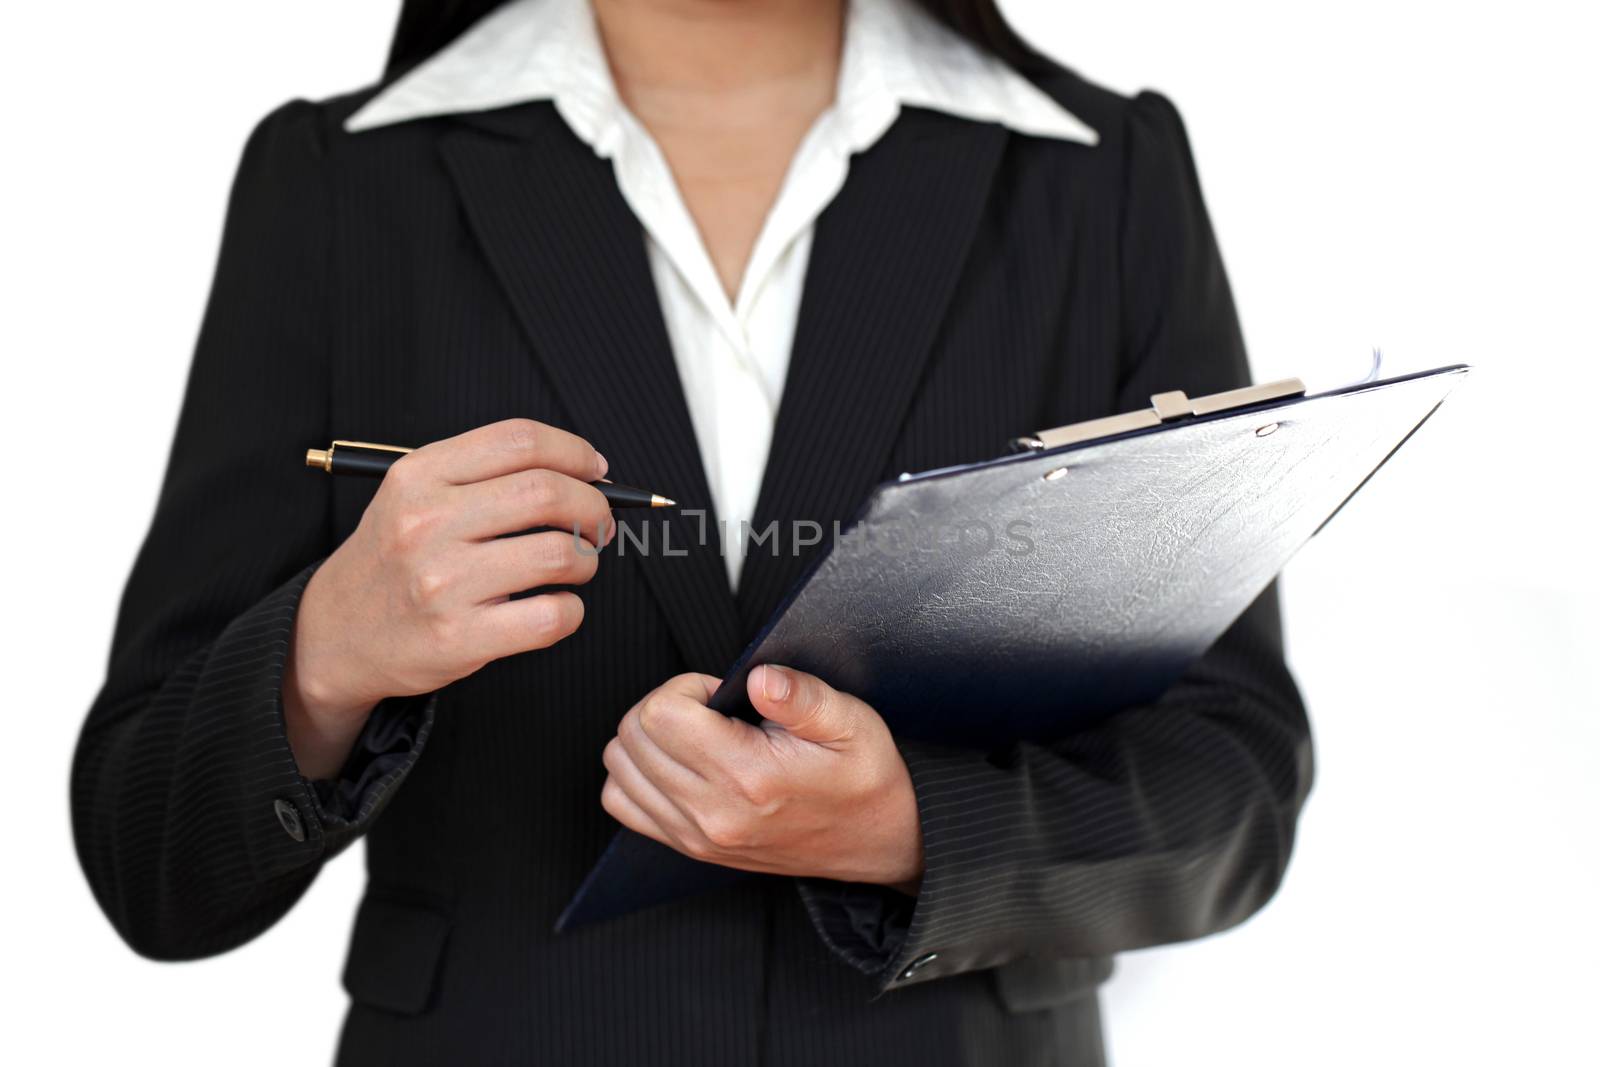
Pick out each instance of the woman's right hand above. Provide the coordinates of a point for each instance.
(419, 595)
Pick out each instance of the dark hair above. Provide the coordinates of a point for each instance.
(426, 26)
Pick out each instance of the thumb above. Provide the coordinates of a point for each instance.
(804, 705)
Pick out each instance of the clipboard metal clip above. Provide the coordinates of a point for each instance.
(1164, 407)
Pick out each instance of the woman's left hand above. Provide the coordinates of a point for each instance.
(817, 790)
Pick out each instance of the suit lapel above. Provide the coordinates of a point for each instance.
(571, 257)
(885, 259)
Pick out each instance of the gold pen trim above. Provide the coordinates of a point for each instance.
(373, 447)
(323, 457)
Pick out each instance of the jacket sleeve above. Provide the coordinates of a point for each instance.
(1166, 822)
(193, 826)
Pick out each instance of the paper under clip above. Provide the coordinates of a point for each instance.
(1164, 407)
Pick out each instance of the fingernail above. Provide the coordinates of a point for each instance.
(603, 465)
(774, 683)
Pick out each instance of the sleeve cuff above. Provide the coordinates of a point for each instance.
(864, 925)
(384, 753)
(901, 940)
(289, 822)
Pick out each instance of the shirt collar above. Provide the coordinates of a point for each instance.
(895, 55)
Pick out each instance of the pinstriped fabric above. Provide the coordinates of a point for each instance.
(183, 755)
(183, 760)
(423, 279)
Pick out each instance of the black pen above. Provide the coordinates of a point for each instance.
(367, 460)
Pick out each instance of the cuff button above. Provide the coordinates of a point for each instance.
(916, 965)
(289, 819)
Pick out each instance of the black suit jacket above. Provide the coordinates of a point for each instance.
(409, 283)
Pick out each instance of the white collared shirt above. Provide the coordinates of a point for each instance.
(732, 356)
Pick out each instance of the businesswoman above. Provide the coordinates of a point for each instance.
(759, 256)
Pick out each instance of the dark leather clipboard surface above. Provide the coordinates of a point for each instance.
(1050, 589)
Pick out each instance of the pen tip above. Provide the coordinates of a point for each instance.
(659, 501)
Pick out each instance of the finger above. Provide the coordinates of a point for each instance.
(666, 773)
(695, 686)
(662, 808)
(505, 447)
(513, 626)
(622, 808)
(528, 499)
(509, 565)
(676, 721)
(805, 706)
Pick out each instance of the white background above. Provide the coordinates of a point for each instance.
(1420, 176)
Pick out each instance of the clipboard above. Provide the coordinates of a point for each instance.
(1033, 595)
